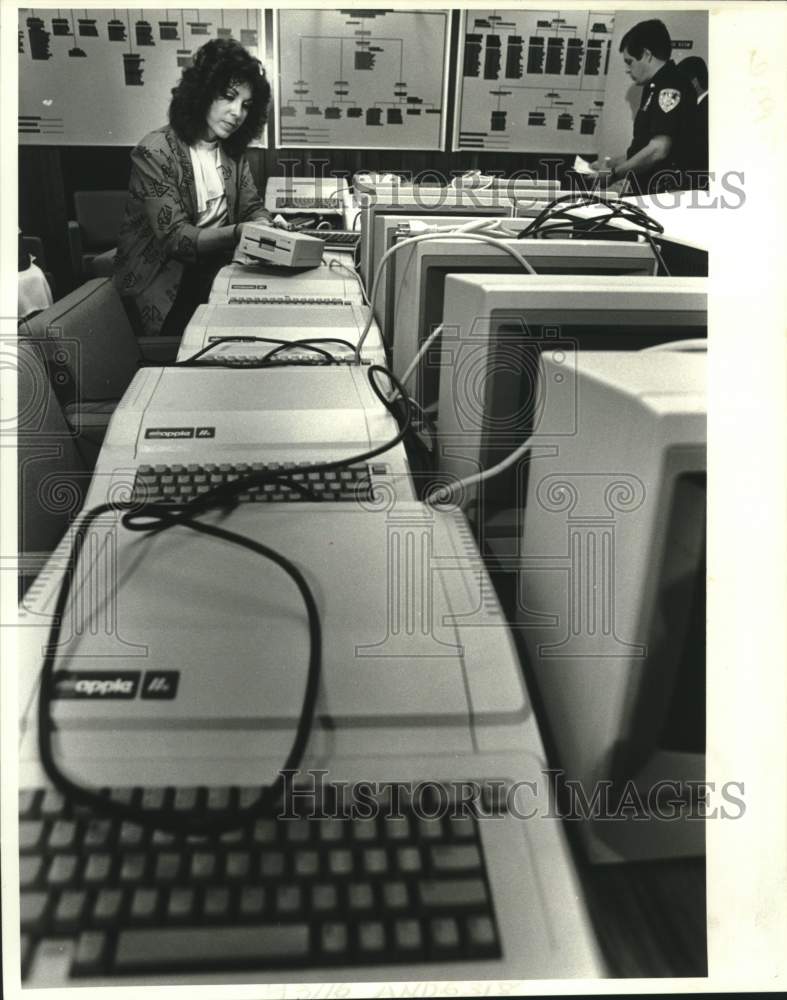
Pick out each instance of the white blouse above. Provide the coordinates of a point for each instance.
(211, 197)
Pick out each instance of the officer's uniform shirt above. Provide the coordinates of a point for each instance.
(697, 155)
(667, 108)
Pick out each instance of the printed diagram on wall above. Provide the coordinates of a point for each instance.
(361, 78)
(531, 81)
(104, 77)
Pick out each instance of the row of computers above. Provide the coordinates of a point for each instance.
(260, 585)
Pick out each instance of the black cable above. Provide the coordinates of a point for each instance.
(657, 251)
(560, 210)
(156, 517)
(310, 342)
(265, 361)
(226, 340)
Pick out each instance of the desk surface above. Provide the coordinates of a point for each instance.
(690, 218)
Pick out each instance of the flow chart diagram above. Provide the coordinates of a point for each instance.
(361, 78)
(531, 81)
(77, 67)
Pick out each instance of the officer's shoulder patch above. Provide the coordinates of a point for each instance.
(669, 99)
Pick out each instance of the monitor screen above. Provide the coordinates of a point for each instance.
(418, 295)
(495, 329)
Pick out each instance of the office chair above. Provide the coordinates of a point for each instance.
(93, 235)
(91, 354)
(53, 475)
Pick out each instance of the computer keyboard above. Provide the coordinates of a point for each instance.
(309, 201)
(288, 300)
(182, 483)
(286, 892)
(344, 239)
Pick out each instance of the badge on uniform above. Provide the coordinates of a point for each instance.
(669, 99)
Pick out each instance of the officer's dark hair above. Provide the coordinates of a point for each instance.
(651, 35)
(694, 68)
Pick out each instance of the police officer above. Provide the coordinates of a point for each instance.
(695, 70)
(657, 156)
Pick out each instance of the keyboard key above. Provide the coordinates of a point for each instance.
(167, 866)
(364, 830)
(30, 869)
(31, 833)
(97, 833)
(123, 795)
(289, 899)
(455, 858)
(264, 831)
(62, 835)
(238, 864)
(397, 827)
(62, 871)
(452, 892)
(252, 901)
(181, 904)
(131, 835)
(375, 861)
(132, 867)
(209, 947)
(332, 830)
(185, 799)
(395, 896)
(407, 935)
(203, 865)
(444, 934)
(461, 827)
(480, 932)
(409, 859)
(69, 910)
(90, 952)
(272, 864)
(32, 910)
(324, 898)
(153, 799)
(216, 902)
(360, 896)
(340, 862)
(144, 904)
(334, 938)
(107, 906)
(218, 799)
(430, 829)
(28, 802)
(371, 936)
(97, 869)
(52, 803)
(307, 864)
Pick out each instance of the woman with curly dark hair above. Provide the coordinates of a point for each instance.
(191, 188)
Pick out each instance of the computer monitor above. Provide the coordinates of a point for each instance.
(321, 195)
(495, 328)
(418, 199)
(611, 597)
(417, 291)
(389, 228)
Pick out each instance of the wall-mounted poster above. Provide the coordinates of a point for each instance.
(103, 77)
(372, 79)
(531, 81)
